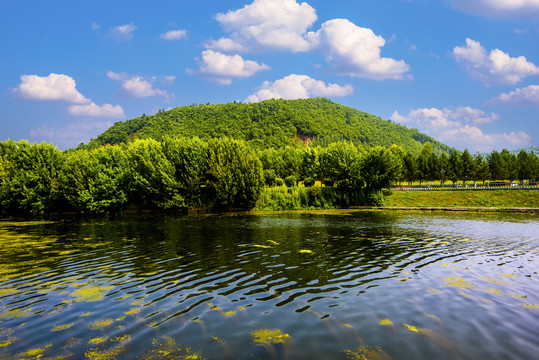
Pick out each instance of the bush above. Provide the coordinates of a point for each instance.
(308, 182)
(279, 182)
(270, 177)
(290, 181)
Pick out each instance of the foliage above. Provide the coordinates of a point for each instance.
(29, 178)
(270, 124)
(380, 168)
(290, 181)
(234, 172)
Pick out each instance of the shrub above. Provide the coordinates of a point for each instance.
(290, 181)
(308, 182)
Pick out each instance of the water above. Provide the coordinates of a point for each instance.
(320, 285)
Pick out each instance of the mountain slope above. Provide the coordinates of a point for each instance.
(271, 123)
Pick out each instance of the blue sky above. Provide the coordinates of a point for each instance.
(465, 72)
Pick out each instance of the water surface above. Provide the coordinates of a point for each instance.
(319, 285)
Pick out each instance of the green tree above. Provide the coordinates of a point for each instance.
(410, 168)
(234, 172)
(29, 186)
(380, 168)
(525, 164)
(340, 164)
(511, 164)
(95, 182)
(455, 167)
(482, 171)
(467, 166)
(153, 176)
(496, 166)
(444, 167)
(188, 157)
(310, 163)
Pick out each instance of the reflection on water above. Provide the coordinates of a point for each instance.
(324, 285)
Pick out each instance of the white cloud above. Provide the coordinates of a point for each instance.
(355, 51)
(123, 32)
(298, 87)
(139, 87)
(526, 95)
(174, 35)
(95, 26)
(274, 24)
(93, 110)
(283, 25)
(221, 68)
(459, 128)
(55, 87)
(499, 8)
(494, 68)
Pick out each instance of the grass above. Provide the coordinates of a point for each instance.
(490, 198)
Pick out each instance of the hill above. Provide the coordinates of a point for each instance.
(271, 123)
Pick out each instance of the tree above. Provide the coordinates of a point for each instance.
(153, 176)
(95, 182)
(29, 186)
(496, 166)
(399, 154)
(310, 163)
(467, 166)
(482, 171)
(234, 172)
(511, 164)
(444, 167)
(410, 168)
(341, 164)
(525, 164)
(454, 170)
(188, 158)
(380, 168)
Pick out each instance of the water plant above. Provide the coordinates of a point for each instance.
(269, 336)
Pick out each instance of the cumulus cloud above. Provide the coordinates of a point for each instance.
(123, 32)
(174, 35)
(499, 8)
(139, 87)
(459, 128)
(528, 95)
(93, 110)
(298, 87)
(54, 87)
(355, 51)
(221, 68)
(495, 67)
(283, 25)
(274, 24)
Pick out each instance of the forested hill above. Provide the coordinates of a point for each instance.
(271, 123)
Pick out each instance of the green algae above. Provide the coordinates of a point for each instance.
(167, 349)
(269, 336)
(61, 327)
(100, 324)
(90, 293)
(367, 353)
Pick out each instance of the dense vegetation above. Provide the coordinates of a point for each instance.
(179, 174)
(270, 124)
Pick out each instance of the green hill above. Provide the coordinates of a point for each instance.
(271, 123)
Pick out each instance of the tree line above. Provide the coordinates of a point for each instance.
(221, 173)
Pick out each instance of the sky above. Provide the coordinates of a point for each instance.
(464, 72)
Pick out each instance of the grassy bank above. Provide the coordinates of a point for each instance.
(493, 198)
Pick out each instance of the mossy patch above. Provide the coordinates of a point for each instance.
(269, 336)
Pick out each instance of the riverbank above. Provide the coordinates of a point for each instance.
(494, 199)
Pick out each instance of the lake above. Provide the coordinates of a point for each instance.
(297, 285)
